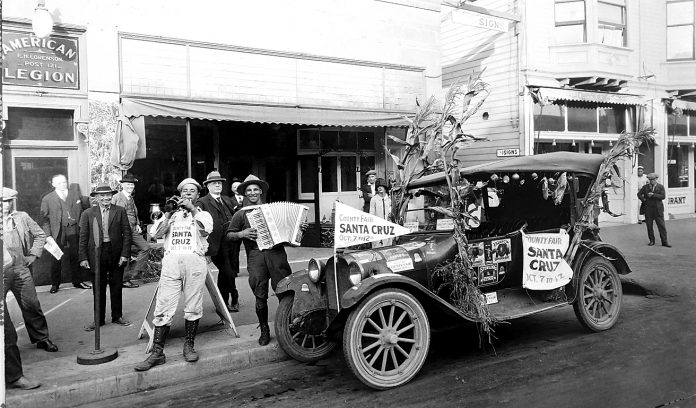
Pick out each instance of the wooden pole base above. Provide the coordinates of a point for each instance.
(95, 357)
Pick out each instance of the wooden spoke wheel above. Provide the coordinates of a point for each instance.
(300, 346)
(599, 295)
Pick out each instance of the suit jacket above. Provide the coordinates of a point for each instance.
(51, 214)
(220, 222)
(366, 191)
(120, 200)
(119, 234)
(653, 203)
(33, 237)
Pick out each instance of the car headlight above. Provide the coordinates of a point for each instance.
(315, 269)
(356, 273)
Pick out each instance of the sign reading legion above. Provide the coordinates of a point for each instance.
(46, 62)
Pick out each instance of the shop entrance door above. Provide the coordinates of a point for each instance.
(338, 181)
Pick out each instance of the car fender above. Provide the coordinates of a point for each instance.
(307, 294)
(592, 248)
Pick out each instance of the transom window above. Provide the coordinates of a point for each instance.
(682, 125)
(565, 116)
(680, 30)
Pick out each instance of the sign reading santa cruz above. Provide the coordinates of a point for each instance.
(46, 62)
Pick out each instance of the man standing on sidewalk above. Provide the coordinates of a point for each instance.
(185, 229)
(651, 195)
(115, 235)
(24, 240)
(125, 199)
(60, 212)
(221, 209)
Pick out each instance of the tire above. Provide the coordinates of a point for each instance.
(306, 348)
(599, 295)
(386, 339)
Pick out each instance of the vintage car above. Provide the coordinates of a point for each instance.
(382, 303)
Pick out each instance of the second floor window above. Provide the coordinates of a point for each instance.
(680, 30)
(570, 21)
(612, 22)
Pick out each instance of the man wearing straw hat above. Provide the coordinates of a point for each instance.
(125, 199)
(24, 240)
(115, 236)
(185, 228)
(221, 208)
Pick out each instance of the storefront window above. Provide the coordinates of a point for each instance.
(348, 170)
(546, 147)
(677, 125)
(549, 117)
(33, 180)
(40, 124)
(677, 166)
(366, 141)
(692, 124)
(329, 173)
(612, 119)
(581, 119)
(308, 173)
(309, 139)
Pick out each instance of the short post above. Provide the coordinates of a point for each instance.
(98, 355)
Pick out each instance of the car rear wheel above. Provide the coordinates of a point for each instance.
(386, 339)
(599, 296)
(301, 346)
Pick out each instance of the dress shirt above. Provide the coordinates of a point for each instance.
(105, 223)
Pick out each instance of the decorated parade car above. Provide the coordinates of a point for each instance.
(530, 248)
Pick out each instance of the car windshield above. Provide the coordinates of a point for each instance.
(420, 215)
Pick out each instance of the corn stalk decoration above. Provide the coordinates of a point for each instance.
(432, 141)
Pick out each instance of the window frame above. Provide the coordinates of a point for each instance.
(692, 25)
(624, 17)
(572, 22)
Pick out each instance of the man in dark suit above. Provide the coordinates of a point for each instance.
(221, 208)
(115, 237)
(368, 190)
(651, 195)
(125, 199)
(60, 214)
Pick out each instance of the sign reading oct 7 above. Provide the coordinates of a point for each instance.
(354, 227)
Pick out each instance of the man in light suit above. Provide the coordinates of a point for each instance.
(60, 214)
(221, 208)
(651, 195)
(115, 235)
(125, 199)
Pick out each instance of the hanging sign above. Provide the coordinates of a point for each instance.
(45, 62)
(353, 227)
(544, 266)
(480, 20)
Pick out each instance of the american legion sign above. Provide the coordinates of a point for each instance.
(50, 62)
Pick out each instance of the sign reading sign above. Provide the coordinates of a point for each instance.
(678, 200)
(544, 265)
(480, 20)
(46, 62)
(354, 227)
(507, 152)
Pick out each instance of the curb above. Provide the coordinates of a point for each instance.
(97, 383)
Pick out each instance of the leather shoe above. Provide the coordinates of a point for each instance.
(129, 284)
(82, 286)
(87, 284)
(121, 322)
(234, 307)
(47, 345)
(54, 289)
(651, 243)
(24, 384)
(667, 245)
(90, 327)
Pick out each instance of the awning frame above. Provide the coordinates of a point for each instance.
(549, 95)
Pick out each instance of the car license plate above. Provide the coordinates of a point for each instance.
(491, 298)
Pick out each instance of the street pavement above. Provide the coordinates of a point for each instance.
(67, 384)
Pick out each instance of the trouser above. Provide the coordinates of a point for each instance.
(109, 274)
(180, 272)
(13, 362)
(271, 264)
(650, 216)
(227, 262)
(18, 280)
(68, 241)
(139, 244)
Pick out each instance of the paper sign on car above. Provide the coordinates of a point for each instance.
(544, 265)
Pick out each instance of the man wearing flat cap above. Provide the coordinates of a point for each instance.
(368, 190)
(651, 195)
(114, 246)
(124, 199)
(221, 209)
(642, 180)
(185, 228)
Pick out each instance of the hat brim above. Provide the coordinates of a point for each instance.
(205, 183)
(241, 189)
(94, 193)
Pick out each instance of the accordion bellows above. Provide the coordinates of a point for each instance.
(277, 223)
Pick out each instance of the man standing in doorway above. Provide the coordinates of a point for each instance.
(642, 180)
(368, 189)
(651, 195)
(60, 212)
(125, 199)
(221, 208)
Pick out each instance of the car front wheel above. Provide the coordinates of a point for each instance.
(386, 339)
(301, 346)
(599, 295)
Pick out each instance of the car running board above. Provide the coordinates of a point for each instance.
(518, 302)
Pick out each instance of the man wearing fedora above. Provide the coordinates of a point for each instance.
(115, 241)
(221, 208)
(24, 240)
(124, 199)
(185, 228)
(651, 195)
(368, 190)
(263, 266)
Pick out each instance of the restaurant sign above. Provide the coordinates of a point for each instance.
(50, 62)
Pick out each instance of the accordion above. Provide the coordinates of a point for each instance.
(277, 223)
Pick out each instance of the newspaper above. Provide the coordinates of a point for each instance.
(53, 248)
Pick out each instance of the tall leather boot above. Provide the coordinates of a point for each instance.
(190, 354)
(262, 314)
(156, 356)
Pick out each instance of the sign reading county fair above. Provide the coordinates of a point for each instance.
(353, 227)
(182, 238)
(46, 62)
(544, 266)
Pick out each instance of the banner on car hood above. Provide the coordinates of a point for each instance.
(353, 227)
(544, 265)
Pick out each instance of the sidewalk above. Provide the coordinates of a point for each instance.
(65, 383)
